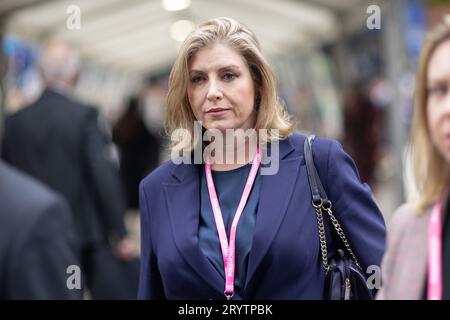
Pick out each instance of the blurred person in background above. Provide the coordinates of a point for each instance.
(60, 141)
(221, 78)
(361, 140)
(417, 262)
(139, 149)
(152, 102)
(37, 238)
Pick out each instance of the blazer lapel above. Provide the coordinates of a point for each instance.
(276, 191)
(183, 202)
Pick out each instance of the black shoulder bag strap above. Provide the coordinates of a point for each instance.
(321, 203)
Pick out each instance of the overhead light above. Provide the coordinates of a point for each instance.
(180, 29)
(175, 5)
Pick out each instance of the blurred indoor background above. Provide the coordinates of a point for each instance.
(345, 67)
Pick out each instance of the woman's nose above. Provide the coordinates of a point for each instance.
(214, 91)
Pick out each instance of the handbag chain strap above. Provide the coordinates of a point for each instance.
(320, 202)
(323, 241)
(339, 231)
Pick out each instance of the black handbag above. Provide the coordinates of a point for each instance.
(344, 278)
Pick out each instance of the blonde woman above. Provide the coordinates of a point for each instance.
(417, 261)
(232, 229)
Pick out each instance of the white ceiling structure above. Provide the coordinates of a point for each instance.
(134, 35)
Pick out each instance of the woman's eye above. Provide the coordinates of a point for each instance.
(438, 90)
(229, 76)
(196, 79)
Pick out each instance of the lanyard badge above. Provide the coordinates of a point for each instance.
(229, 248)
(435, 254)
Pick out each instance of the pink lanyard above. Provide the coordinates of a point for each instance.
(435, 254)
(228, 250)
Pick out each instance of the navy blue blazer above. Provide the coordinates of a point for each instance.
(284, 261)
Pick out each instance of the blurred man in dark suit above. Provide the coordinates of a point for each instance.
(37, 240)
(59, 141)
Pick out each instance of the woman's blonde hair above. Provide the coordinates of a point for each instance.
(431, 171)
(270, 111)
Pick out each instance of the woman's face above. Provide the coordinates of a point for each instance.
(221, 89)
(438, 103)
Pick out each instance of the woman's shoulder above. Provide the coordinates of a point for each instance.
(320, 143)
(322, 147)
(407, 215)
(298, 139)
(159, 175)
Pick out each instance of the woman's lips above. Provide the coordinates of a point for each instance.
(217, 111)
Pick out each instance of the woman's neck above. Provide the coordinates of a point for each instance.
(235, 154)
